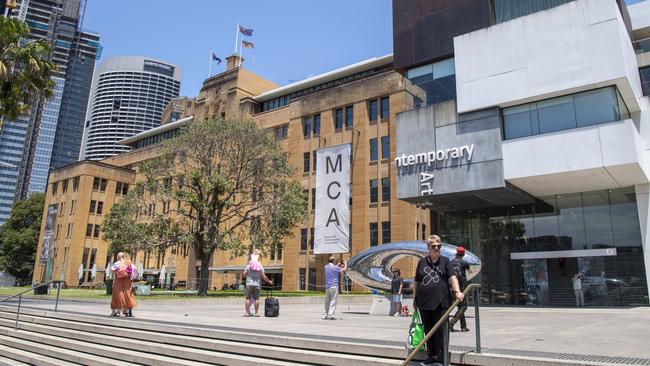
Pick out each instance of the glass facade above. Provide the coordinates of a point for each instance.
(564, 113)
(432, 83)
(645, 79)
(505, 10)
(531, 253)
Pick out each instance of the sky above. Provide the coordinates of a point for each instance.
(294, 39)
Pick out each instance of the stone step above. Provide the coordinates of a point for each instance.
(338, 352)
(17, 357)
(52, 355)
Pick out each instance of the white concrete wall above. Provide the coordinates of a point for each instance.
(639, 14)
(605, 156)
(576, 46)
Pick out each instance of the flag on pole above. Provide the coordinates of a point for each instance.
(216, 58)
(246, 31)
(247, 44)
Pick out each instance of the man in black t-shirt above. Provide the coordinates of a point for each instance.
(396, 286)
(460, 268)
(433, 276)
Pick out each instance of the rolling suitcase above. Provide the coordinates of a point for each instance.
(271, 306)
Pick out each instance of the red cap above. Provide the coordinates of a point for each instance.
(460, 250)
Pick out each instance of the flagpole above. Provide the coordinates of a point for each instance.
(236, 37)
(210, 68)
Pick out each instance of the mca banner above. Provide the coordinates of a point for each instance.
(332, 216)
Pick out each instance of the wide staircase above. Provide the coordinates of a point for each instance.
(59, 338)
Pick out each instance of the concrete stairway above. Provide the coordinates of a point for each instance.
(49, 338)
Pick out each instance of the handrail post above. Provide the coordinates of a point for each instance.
(58, 291)
(477, 318)
(20, 298)
(445, 331)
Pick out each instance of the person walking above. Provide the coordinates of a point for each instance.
(433, 277)
(332, 272)
(254, 273)
(123, 300)
(460, 267)
(577, 289)
(396, 287)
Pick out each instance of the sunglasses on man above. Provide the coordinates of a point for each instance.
(435, 246)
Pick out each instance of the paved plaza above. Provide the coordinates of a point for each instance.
(613, 332)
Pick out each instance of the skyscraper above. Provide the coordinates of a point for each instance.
(50, 135)
(129, 96)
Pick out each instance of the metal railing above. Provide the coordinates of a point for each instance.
(20, 297)
(445, 318)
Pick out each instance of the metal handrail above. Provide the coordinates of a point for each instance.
(445, 318)
(20, 297)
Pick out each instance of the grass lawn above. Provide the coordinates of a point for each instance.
(157, 294)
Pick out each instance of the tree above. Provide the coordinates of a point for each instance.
(19, 237)
(25, 69)
(222, 184)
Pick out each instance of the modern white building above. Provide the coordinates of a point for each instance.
(549, 96)
(128, 97)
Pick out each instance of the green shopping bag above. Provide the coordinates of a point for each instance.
(416, 332)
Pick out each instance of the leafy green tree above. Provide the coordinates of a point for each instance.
(25, 69)
(19, 237)
(222, 184)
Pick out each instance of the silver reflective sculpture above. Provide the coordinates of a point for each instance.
(371, 268)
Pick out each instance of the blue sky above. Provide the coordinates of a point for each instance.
(294, 39)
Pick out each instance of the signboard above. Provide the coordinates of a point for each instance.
(48, 237)
(332, 216)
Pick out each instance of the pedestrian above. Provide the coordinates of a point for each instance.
(332, 272)
(577, 289)
(433, 277)
(396, 287)
(254, 273)
(123, 299)
(460, 267)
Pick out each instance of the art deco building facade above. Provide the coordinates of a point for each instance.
(129, 96)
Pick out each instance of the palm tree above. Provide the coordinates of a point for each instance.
(25, 69)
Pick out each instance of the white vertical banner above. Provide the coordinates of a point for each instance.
(332, 216)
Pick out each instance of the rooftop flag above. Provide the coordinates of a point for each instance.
(246, 31)
(247, 44)
(216, 58)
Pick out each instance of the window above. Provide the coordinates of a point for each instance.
(64, 186)
(96, 231)
(437, 82)
(385, 107)
(374, 194)
(75, 184)
(372, 110)
(72, 206)
(385, 189)
(305, 162)
(121, 188)
(313, 198)
(93, 206)
(67, 233)
(645, 79)
(89, 230)
(55, 187)
(99, 184)
(100, 207)
(303, 239)
(374, 235)
(311, 239)
(349, 116)
(373, 150)
(385, 232)
(314, 159)
(572, 111)
(316, 124)
(385, 147)
(505, 10)
(95, 184)
(424, 231)
(281, 132)
(306, 127)
(338, 119)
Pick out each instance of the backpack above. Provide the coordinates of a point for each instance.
(121, 271)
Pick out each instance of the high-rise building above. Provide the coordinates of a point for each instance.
(50, 135)
(129, 96)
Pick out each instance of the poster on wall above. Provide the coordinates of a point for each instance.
(332, 216)
(48, 237)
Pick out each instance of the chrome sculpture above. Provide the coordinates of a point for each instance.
(371, 268)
